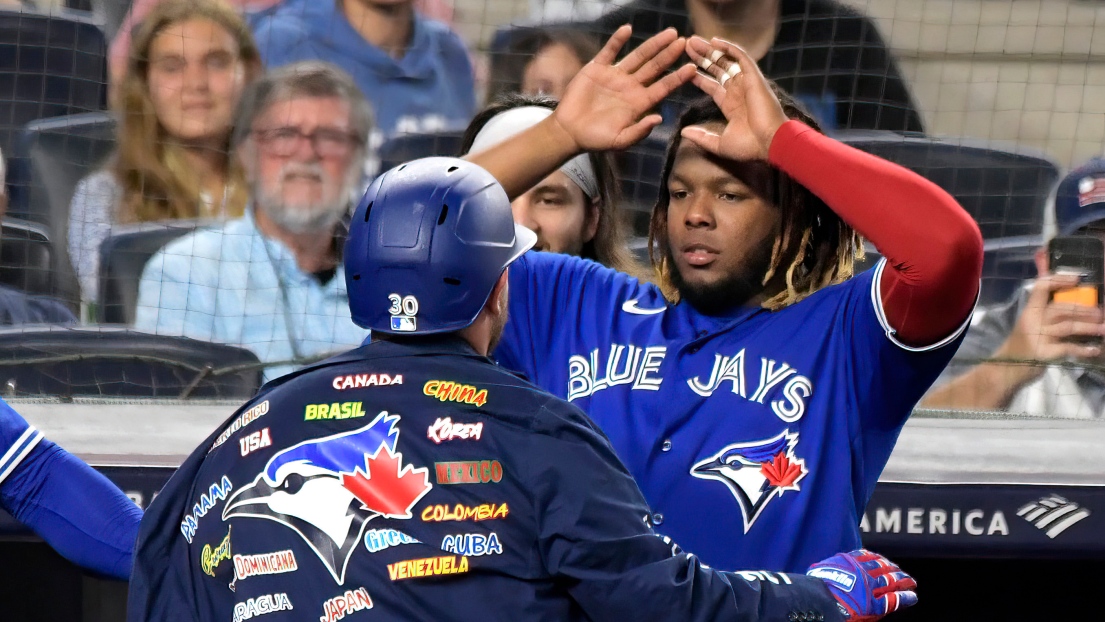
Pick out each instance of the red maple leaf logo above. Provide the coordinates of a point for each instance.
(385, 486)
(782, 472)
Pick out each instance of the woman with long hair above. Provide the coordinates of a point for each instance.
(188, 65)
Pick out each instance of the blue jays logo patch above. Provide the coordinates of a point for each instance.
(327, 489)
(755, 472)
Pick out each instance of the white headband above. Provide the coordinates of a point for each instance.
(514, 121)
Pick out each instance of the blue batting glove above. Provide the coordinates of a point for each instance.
(866, 585)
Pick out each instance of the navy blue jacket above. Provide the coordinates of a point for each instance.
(424, 482)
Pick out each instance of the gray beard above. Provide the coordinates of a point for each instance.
(304, 218)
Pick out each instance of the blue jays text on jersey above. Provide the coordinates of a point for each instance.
(463, 492)
(756, 437)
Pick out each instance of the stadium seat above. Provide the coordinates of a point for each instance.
(123, 256)
(50, 65)
(406, 147)
(50, 157)
(108, 361)
(25, 257)
(1005, 190)
(1007, 263)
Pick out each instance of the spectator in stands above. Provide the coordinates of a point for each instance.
(541, 62)
(18, 307)
(119, 48)
(826, 54)
(415, 71)
(272, 281)
(441, 10)
(1032, 331)
(575, 209)
(189, 63)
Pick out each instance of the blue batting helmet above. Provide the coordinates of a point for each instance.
(426, 245)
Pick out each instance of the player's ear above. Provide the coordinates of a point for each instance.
(591, 223)
(497, 301)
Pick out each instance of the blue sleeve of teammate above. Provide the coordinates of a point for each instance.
(540, 285)
(552, 298)
(594, 534)
(77, 511)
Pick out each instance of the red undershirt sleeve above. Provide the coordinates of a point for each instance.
(933, 248)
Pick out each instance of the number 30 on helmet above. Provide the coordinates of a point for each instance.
(426, 245)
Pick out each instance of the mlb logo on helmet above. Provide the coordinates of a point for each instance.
(403, 324)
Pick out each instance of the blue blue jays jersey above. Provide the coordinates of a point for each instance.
(420, 481)
(756, 437)
(75, 509)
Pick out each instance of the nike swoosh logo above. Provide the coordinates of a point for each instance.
(630, 306)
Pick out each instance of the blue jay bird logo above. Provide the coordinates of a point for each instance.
(755, 472)
(327, 489)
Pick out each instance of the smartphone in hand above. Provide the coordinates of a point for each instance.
(1083, 255)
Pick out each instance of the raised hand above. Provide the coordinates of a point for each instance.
(605, 106)
(735, 83)
(866, 585)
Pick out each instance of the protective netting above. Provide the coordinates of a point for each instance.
(123, 215)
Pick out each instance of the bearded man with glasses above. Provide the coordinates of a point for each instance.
(272, 280)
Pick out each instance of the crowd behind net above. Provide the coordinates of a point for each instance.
(997, 101)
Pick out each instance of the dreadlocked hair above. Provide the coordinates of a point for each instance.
(814, 249)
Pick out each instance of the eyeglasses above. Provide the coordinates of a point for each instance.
(327, 142)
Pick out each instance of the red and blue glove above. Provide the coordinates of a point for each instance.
(866, 585)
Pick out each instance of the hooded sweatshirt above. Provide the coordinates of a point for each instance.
(429, 89)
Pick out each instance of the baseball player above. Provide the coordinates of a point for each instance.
(77, 511)
(415, 478)
(757, 392)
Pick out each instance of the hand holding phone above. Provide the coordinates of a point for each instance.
(1083, 256)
